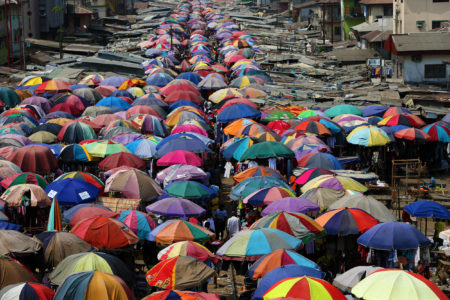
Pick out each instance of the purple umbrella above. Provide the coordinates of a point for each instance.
(127, 138)
(145, 100)
(122, 114)
(115, 81)
(175, 207)
(291, 204)
(42, 102)
(16, 137)
(154, 125)
(299, 154)
(180, 173)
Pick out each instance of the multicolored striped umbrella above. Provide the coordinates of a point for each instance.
(141, 223)
(296, 224)
(187, 248)
(314, 127)
(25, 177)
(438, 132)
(268, 195)
(312, 173)
(368, 136)
(307, 288)
(181, 295)
(402, 119)
(178, 230)
(253, 243)
(181, 272)
(291, 204)
(346, 221)
(27, 290)
(413, 134)
(334, 182)
(257, 171)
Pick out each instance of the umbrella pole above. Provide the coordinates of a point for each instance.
(233, 280)
(426, 226)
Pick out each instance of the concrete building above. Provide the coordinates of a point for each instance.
(419, 15)
(423, 56)
(106, 8)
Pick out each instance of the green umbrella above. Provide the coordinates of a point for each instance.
(267, 150)
(9, 97)
(105, 148)
(22, 178)
(343, 109)
(280, 115)
(253, 184)
(188, 190)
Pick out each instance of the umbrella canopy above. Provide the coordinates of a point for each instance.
(189, 190)
(343, 109)
(106, 233)
(121, 159)
(350, 278)
(105, 148)
(25, 177)
(181, 295)
(320, 160)
(368, 136)
(53, 86)
(91, 261)
(253, 243)
(267, 150)
(367, 203)
(26, 195)
(93, 285)
(90, 212)
(17, 273)
(323, 197)
(296, 224)
(133, 183)
(59, 244)
(393, 236)
(438, 132)
(74, 153)
(304, 288)
(72, 191)
(397, 284)
(180, 157)
(35, 158)
(253, 184)
(290, 204)
(27, 290)
(14, 242)
(139, 222)
(187, 248)
(402, 119)
(175, 207)
(334, 182)
(266, 196)
(413, 134)
(237, 111)
(312, 173)
(88, 177)
(257, 171)
(181, 272)
(427, 209)
(180, 172)
(177, 230)
(69, 213)
(346, 221)
(75, 132)
(278, 258)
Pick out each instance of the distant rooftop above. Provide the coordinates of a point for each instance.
(369, 2)
(419, 42)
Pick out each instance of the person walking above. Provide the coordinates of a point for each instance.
(233, 225)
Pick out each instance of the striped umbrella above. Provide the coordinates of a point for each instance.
(346, 221)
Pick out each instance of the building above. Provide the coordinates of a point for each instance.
(78, 19)
(105, 8)
(419, 15)
(422, 56)
(11, 46)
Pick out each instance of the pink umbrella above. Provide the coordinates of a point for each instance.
(189, 128)
(105, 90)
(180, 157)
(105, 119)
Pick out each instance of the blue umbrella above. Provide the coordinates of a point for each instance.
(55, 148)
(72, 191)
(393, 236)
(191, 76)
(142, 148)
(122, 93)
(115, 103)
(320, 160)
(183, 103)
(281, 273)
(181, 143)
(253, 184)
(237, 111)
(373, 110)
(74, 152)
(237, 148)
(74, 87)
(115, 81)
(373, 120)
(427, 209)
(159, 79)
(9, 226)
(333, 127)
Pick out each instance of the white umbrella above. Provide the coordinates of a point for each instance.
(346, 281)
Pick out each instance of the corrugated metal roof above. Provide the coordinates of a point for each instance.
(377, 36)
(422, 41)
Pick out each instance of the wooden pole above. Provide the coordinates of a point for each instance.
(233, 281)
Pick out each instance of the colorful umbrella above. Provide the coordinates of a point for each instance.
(16, 243)
(427, 209)
(180, 173)
(310, 174)
(320, 160)
(35, 158)
(323, 197)
(368, 136)
(413, 134)
(90, 212)
(177, 230)
(72, 191)
(267, 150)
(237, 111)
(53, 86)
(189, 190)
(25, 177)
(121, 159)
(175, 207)
(257, 171)
(17, 273)
(334, 182)
(105, 233)
(290, 204)
(343, 109)
(267, 196)
(253, 184)
(346, 221)
(180, 157)
(91, 261)
(93, 285)
(397, 284)
(139, 222)
(253, 243)
(402, 119)
(393, 236)
(181, 272)
(25, 195)
(133, 183)
(296, 224)
(88, 177)
(105, 148)
(187, 248)
(27, 290)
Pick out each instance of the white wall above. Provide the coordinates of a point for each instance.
(414, 72)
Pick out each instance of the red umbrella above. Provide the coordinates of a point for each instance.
(143, 109)
(180, 157)
(72, 105)
(35, 158)
(413, 134)
(105, 119)
(105, 233)
(53, 86)
(238, 101)
(121, 159)
(220, 69)
(91, 212)
(279, 126)
(169, 89)
(183, 95)
(185, 66)
(233, 59)
(105, 90)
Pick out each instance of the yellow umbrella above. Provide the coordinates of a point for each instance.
(334, 182)
(221, 94)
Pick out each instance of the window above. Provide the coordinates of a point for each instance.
(388, 10)
(440, 0)
(435, 71)
(437, 24)
(337, 30)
